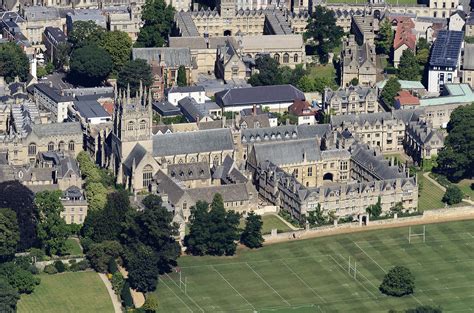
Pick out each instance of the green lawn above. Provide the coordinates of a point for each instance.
(73, 247)
(465, 186)
(312, 275)
(273, 222)
(78, 292)
(430, 195)
(323, 71)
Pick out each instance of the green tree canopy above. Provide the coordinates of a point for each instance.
(118, 44)
(52, 229)
(456, 159)
(453, 195)
(182, 79)
(158, 21)
(213, 231)
(107, 223)
(269, 73)
(8, 297)
(21, 200)
(384, 40)
(398, 282)
(100, 254)
(151, 303)
(132, 73)
(96, 196)
(390, 90)
(408, 69)
(252, 234)
(323, 33)
(9, 234)
(85, 33)
(19, 278)
(375, 210)
(150, 245)
(13, 62)
(90, 65)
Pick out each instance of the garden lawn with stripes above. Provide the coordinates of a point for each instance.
(313, 275)
(78, 292)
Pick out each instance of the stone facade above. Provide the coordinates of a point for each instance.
(351, 100)
(358, 62)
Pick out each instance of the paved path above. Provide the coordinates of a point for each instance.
(113, 296)
(427, 176)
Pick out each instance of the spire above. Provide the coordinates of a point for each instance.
(128, 92)
(140, 93)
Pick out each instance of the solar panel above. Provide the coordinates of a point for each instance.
(446, 48)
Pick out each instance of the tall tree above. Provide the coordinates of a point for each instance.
(408, 69)
(453, 195)
(100, 254)
(119, 46)
(107, 223)
(9, 234)
(85, 33)
(8, 297)
(13, 62)
(199, 235)
(158, 18)
(456, 159)
(62, 55)
(90, 65)
(252, 234)
(223, 228)
(21, 200)
(268, 72)
(134, 72)
(96, 196)
(150, 245)
(390, 90)
(52, 229)
(384, 40)
(182, 79)
(323, 32)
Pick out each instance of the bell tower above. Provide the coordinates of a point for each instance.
(133, 120)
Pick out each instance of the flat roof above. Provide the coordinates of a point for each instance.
(458, 93)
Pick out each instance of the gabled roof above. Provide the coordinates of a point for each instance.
(90, 109)
(192, 142)
(404, 35)
(56, 129)
(136, 155)
(258, 95)
(288, 152)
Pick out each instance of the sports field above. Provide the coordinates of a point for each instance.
(312, 275)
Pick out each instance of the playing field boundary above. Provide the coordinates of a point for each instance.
(429, 217)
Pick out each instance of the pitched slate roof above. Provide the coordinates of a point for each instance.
(258, 95)
(138, 153)
(90, 109)
(56, 129)
(284, 132)
(172, 57)
(229, 193)
(289, 152)
(193, 142)
(374, 162)
(190, 171)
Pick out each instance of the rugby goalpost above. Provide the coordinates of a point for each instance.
(183, 281)
(352, 269)
(411, 234)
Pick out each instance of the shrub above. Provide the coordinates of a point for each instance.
(33, 270)
(126, 295)
(453, 195)
(50, 269)
(83, 265)
(60, 266)
(38, 254)
(117, 282)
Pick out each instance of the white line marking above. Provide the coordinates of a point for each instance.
(222, 276)
(163, 281)
(268, 284)
(304, 283)
(185, 293)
